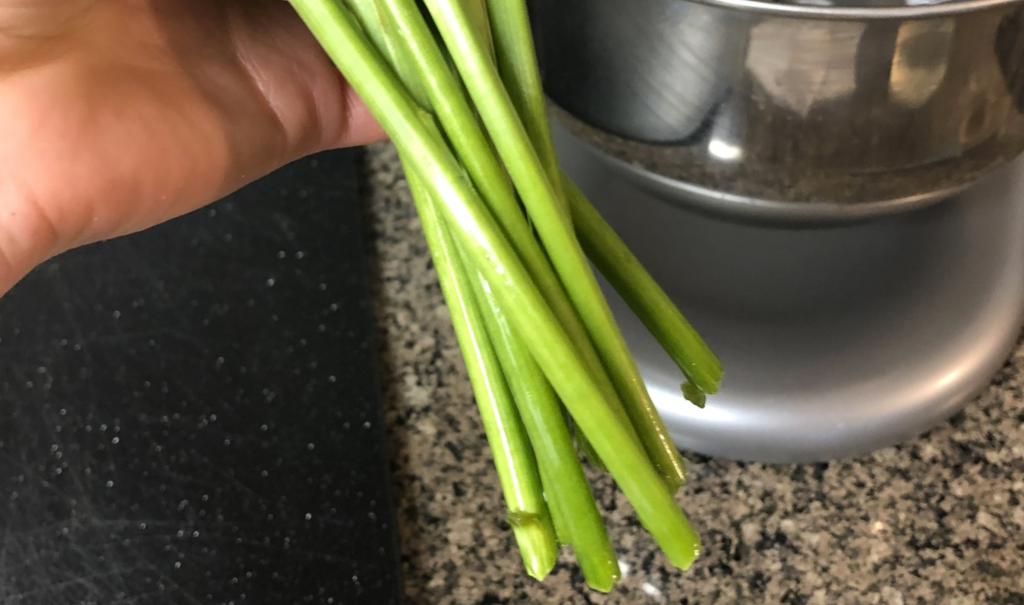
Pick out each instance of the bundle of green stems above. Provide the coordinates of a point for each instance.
(456, 86)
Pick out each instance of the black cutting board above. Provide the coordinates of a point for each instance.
(191, 414)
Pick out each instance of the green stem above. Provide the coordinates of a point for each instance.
(546, 209)
(477, 11)
(452, 108)
(564, 482)
(448, 101)
(643, 294)
(428, 156)
(377, 26)
(513, 457)
(588, 452)
(517, 62)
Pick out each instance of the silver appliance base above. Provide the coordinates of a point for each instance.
(836, 341)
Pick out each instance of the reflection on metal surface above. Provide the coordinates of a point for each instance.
(799, 67)
(835, 341)
(1009, 48)
(661, 85)
(919, 65)
(725, 150)
(791, 108)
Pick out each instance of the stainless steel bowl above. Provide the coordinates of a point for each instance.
(822, 109)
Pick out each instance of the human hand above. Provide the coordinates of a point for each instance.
(116, 115)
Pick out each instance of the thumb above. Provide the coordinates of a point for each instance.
(25, 26)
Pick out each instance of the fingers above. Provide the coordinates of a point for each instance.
(39, 18)
(316, 107)
(27, 235)
(154, 109)
(361, 127)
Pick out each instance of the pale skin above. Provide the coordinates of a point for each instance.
(116, 115)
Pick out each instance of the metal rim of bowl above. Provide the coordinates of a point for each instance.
(941, 9)
(761, 211)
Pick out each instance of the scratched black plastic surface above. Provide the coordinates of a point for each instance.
(191, 414)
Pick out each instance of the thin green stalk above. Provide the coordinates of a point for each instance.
(556, 233)
(642, 293)
(530, 518)
(517, 63)
(557, 515)
(447, 98)
(588, 451)
(366, 15)
(428, 156)
(376, 26)
(513, 457)
(477, 11)
(564, 482)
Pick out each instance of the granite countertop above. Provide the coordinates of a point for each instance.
(936, 520)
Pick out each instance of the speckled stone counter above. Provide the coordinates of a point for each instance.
(936, 520)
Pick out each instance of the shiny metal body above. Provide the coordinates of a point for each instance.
(835, 341)
(791, 110)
